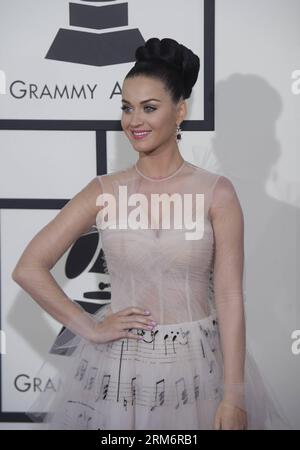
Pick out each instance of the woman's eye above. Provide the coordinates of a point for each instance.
(151, 108)
(124, 108)
(147, 108)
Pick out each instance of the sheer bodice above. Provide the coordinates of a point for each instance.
(163, 268)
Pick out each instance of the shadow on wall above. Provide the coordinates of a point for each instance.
(246, 148)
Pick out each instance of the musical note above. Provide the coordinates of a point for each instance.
(213, 389)
(91, 378)
(210, 336)
(173, 340)
(153, 336)
(104, 387)
(216, 392)
(196, 386)
(83, 421)
(89, 423)
(140, 332)
(133, 390)
(166, 336)
(205, 332)
(185, 335)
(119, 374)
(203, 352)
(125, 403)
(159, 386)
(81, 369)
(79, 420)
(81, 415)
(109, 345)
(184, 397)
(127, 339)
(211, 340)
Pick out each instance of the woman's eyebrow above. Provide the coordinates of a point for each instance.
(144, 101)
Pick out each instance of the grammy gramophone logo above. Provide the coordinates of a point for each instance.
(96, 48)
(78, 264)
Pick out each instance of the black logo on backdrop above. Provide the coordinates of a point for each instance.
(92, 48)
(79, 258)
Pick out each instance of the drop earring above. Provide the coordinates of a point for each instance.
(178, 132)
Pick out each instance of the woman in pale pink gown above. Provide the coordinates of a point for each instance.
(190, 369)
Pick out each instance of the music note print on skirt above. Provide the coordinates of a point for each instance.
(159, 393)
(92, 372)
(183, 392)
(103, 388)
(80, 372)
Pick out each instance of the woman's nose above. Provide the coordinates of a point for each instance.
(136, 119)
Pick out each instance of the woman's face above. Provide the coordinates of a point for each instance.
(149, 116)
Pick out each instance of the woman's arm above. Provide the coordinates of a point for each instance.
(228, 225)
(32, 271)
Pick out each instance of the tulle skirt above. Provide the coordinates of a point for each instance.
(171, 379)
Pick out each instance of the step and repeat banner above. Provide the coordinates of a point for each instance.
(62, 65)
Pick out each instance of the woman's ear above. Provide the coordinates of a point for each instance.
(181, 111)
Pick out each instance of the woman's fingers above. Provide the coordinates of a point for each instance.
(134, 321)
(119, 325)
(128, 334)
(133, 310)
(135, 317)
